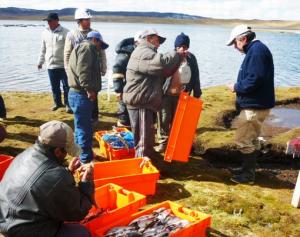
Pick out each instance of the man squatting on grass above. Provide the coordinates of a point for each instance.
(255, 97)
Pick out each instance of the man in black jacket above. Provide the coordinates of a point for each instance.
(172, 90)
(255, 97)
(123, 50)
(38, 194)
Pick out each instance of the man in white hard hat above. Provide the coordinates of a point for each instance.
(74, 37)
(38, 195)
(145, 75)
(255, 97)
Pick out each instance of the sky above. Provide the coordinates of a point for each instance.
(224, 9)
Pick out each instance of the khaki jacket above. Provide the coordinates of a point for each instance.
(74, 38)
(146, 72)
(84, 68)
(52, 47)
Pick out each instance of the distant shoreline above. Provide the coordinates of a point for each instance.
(274, 25)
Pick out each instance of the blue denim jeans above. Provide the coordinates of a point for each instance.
(57, 75)
(82, 109)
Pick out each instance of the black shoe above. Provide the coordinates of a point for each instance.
(236, 171)
(56, 107)
(68, 110)
(242, 179)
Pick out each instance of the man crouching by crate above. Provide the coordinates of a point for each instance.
(38, 194)
(146, 73)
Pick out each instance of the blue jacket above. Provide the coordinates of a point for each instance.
(255, 83)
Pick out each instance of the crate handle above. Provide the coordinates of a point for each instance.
(188, 212)
(127, 193)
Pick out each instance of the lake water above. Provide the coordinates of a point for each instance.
(218, 64)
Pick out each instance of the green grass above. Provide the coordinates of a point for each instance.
(237, 210)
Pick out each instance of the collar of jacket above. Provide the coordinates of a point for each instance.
(248, 46)
(145, 43)
(41, 148)
(57, 29)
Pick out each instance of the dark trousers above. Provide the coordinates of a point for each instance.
(142, 127)
(56, 76)
(2, 108)
(166, 116)
(72, 230)
(123, 114)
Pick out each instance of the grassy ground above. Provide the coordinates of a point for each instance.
(201, 184)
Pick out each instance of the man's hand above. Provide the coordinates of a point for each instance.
(231, 87)
(119, 96)
(86, 172)
(40, 66)
(74, 164)
(91, 95)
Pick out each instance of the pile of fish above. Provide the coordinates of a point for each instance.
(159, 223)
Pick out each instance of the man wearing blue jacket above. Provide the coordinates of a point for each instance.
(255, 97)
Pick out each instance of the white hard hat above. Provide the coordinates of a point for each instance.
(82, 13)
(236, 31)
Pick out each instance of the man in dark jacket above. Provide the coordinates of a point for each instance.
(38, 194)
(146, 71)
(123, 50)
(255, 97)
(84, 77)
(173, 89)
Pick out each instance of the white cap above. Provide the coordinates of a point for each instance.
(137, 36)
(82, 13)
(153, 32)
(236, 31)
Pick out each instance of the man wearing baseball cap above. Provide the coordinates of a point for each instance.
(146, 72)
(255, 97)
(38, 194)
(84, 77)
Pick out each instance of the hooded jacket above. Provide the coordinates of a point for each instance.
(145, 75)
(37, 194)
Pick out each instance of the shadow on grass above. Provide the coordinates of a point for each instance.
(109, 114)
(12, 151)
(25, 121)
(170, 191)
(24, 137)
(210, 232)
(199, 169)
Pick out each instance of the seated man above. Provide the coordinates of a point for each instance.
(38, 194)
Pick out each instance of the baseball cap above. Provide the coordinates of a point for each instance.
(97, 35)
(51, 16)
(137, 36)
(153, 32)
(236, 31)
(59, 134)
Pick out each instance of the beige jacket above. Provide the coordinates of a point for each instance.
(52, 48)
(74, 38)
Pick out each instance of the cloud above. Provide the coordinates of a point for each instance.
(244, 9)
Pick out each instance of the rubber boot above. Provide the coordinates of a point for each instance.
(248, 169)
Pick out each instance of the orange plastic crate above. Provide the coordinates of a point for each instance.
(117, 202)
(110, 153)
(128, 174)
(4, 163)
(183, 128)
(199, 221)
